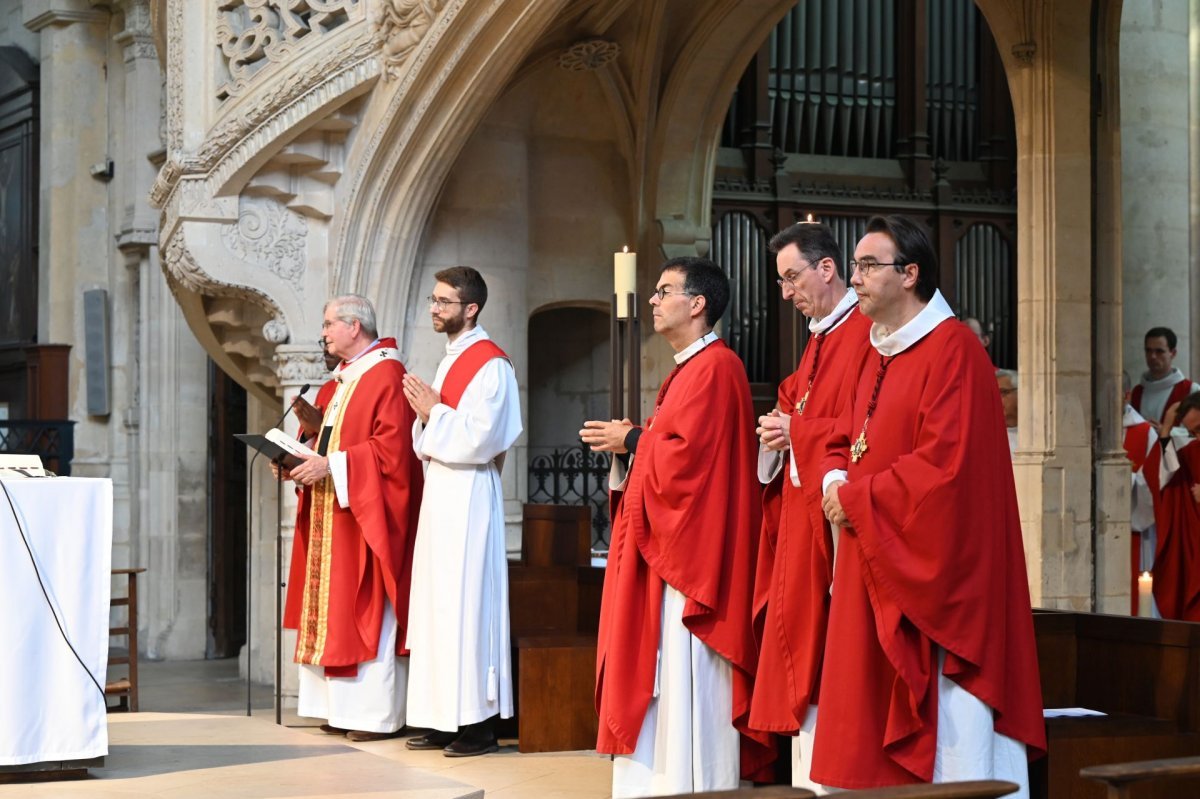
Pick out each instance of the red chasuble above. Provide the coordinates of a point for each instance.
(934, 559)
(1177, 525)
(772, 501)
(689, 515)
(1137, 445)
(797, 597)
(346, 561)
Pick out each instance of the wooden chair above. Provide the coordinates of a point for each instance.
(125, 689)
(1119, 778)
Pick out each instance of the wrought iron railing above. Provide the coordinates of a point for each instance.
(575, 476)
(52, 441)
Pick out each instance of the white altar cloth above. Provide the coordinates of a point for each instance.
(50, 709)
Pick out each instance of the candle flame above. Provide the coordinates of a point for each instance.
(1146, 575)
(625, 248)
(810, 219)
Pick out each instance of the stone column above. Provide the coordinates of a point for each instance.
(296, 365)
(167, 378)
(1048, 58)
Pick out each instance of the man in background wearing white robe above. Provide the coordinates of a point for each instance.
(460, 672)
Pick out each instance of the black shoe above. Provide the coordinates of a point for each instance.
(476, 739)
(434, 739)
(329, 729)
(362, 736)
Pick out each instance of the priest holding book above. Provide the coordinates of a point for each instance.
(348, 586)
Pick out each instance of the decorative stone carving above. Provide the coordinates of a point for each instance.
(297, 364)
(589, 55)
(174, 76)
(400, 27)
(268, 235)
(276, 331)
(255, 33)
(1024, 52)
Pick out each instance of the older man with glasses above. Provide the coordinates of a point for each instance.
(676, 652)
(796, 555)
(356, 519)
(461, 670)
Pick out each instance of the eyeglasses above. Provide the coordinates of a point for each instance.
(790, 281)
(865, 268)
(665, 291)
(440, 304)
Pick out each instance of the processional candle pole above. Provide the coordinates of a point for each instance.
(625, 340)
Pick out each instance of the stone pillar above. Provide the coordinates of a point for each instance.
(167, 380)
(1049, 66)
(296, 365)
(1154, 140)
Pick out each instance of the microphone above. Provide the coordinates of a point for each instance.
(303, 390)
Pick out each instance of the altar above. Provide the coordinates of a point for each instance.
(55, 559)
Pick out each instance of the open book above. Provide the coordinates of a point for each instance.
(278, 446)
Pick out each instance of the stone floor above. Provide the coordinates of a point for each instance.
(193, 739)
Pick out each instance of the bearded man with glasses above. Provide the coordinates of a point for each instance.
(461, 671)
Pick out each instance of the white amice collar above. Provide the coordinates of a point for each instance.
(695, 346)
(839, 314)
(466, 339)
(1172, 377)
(936, 311)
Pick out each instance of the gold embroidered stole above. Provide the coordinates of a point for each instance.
(313, 630)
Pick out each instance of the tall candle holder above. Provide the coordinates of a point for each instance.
(625, 340)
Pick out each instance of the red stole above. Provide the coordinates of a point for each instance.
(346, 575)
(689, 516)
(933, 558)
(1177, 524)
(465, 367)
(1178, 392)
(792, 606)
(1137, 448)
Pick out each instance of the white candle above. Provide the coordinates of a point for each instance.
(1145, 595)
(624, 279)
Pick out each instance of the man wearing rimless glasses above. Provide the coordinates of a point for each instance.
(675, 653)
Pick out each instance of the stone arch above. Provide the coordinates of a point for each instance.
(695, 99)
(460, 67)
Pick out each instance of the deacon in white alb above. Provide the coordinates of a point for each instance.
(460, 671)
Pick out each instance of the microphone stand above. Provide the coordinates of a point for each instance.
(250, 563)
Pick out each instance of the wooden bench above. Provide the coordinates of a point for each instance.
(554, 605)
(1143, 673)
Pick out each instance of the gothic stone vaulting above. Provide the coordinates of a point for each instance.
(338, 145)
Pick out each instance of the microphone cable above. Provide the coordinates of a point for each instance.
(49, 604)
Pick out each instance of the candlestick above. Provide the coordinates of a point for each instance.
(624, 279)
(1146, 595)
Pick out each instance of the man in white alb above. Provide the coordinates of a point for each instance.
(460, 672)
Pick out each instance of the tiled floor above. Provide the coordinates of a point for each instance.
(193, 739)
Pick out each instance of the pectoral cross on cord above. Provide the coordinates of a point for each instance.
(812, 374)
(859, 448)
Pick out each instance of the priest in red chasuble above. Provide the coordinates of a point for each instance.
(791, 591)
(676, 651)
(1172, 471)
(351, 557)
(930, 671)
